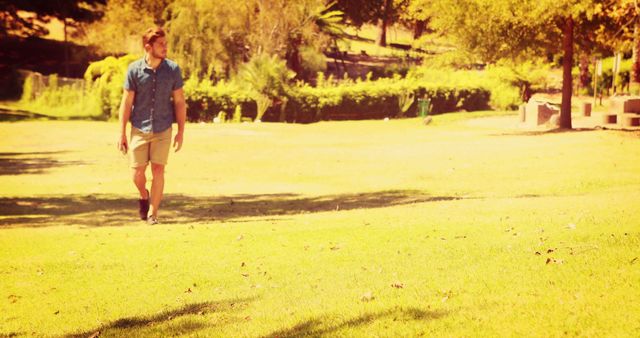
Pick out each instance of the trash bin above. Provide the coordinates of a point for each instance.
(424, 105)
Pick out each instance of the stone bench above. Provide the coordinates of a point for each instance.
(537, 113)
(624, 111)
(629, 120)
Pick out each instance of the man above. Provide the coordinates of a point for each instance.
(153, 99)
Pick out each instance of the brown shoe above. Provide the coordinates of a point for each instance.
(144, 207)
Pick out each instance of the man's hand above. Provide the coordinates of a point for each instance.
(123, 144)
(177, 141)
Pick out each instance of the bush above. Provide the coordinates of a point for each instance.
(59, 97)
(347, 100)
(105, 79)
(330, 100)
(10, 83)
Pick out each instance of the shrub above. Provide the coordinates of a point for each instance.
(106, 78)
(59, 97)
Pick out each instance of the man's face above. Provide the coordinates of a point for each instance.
(158, 49)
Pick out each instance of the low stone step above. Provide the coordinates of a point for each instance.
(630, 120)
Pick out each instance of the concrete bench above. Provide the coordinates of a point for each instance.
(537, 113)
(629, 120)
(624, 111)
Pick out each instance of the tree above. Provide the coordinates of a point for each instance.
(381, 12)
(625, 15)
(495, 29)
(418, 15)
(70, 12)
(294, 30)
(121, 27)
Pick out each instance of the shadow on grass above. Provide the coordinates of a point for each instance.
(635, 131)
(16, 115)
(30, 163)
(329, 326)
(131, 326)
(107, 210)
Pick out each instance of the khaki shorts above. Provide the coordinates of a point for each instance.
(152, 147)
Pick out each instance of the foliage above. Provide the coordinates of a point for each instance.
(106, 78)
(208, 47)
(120, 29)
(16, 23)
(333, 101)
(267, 79)
(499, 81)
(69, 99)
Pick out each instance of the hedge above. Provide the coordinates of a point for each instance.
(352, 101)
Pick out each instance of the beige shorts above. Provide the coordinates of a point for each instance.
(151, 147)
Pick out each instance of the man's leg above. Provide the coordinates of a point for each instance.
(140, 180)
(157, 187)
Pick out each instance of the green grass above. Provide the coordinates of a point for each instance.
(464, 227)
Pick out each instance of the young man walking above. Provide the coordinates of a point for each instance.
(153, 99)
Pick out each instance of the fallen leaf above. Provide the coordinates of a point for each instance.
(334, 248)
(445, 298)
(571, 226)
(95, 335)
(247, 318)
(239, 237)
(245, 275)
(201, 313)
(397, 285)
(554, 261)
(367, 296)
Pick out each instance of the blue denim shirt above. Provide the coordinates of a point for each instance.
(153, 110)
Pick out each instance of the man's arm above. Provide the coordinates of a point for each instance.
(124, 114)
(180, 108)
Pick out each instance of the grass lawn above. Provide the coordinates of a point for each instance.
(465, 227)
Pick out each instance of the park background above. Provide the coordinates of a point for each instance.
(344, 213)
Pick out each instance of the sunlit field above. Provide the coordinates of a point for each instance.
(467, 226)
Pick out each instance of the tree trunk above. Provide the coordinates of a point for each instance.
(526, 92)
(418, 29)
(585, 76)
(66, 49)
(634, 83)
(384, 21)
(567, 80)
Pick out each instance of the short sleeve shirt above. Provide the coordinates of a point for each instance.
(153, 110)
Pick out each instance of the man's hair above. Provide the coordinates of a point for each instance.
(151, 35)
